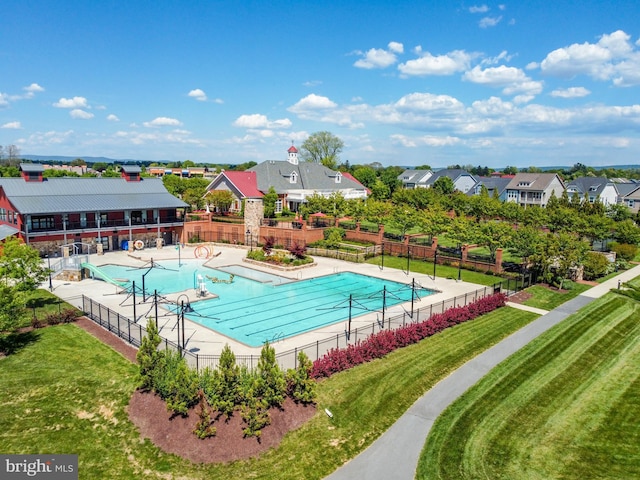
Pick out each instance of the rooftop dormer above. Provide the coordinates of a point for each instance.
(31, 172)
(131, 173)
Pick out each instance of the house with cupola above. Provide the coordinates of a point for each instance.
(293, 181)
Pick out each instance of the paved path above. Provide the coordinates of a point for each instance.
(396, 453)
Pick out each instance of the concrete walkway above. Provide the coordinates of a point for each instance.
(396, 453)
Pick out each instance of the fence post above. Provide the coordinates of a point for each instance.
(129, 329)
(317, 349)
(109, 319)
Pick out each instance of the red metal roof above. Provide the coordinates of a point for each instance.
(292, 149)
(351, 177)
(246, 182)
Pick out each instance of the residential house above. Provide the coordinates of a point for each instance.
(415, 178)
(51, 212)
(293, 181)
(463, 181)
(529, 189)
(495, 185)
(629, 195)
(592, 188)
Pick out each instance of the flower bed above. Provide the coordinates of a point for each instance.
(386, 341)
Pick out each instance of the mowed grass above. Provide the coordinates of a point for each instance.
(65, 392)
(549, 298)
(443, 271)
(565, 406)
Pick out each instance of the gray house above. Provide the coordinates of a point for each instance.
(593, 187)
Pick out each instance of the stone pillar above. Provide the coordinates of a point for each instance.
(465, 252)
(434, 244)
(159, 243)
(99, 249)
(253, 216)
(498, 267)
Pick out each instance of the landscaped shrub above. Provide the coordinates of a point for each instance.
(204, 427)
(297, 250)
(256, 416)
(269, 243)
(270, 382)
(380, 344)
(300, 385)
(176, 383)
(595, 265)
(148, 356)
(227, 383)
(624, 250)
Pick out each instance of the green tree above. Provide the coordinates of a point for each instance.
(434, 221)
(404, 218)
(627, 232)
(380, 190)
(148, 357)
(20, 265)
(227, 382)
(366, 176)
(494, 235)
(525, 242)
(220, 199)
(300, 386)
(322, 147)
(271, 386)
(443, 185)
(269, 200)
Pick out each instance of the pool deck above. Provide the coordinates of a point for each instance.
(208, 342)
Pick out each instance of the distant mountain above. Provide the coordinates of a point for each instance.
(64, 159)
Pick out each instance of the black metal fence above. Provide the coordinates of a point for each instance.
(132, 332)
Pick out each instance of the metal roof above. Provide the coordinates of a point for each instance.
(32, 167)
(7, 231)
(64, 195)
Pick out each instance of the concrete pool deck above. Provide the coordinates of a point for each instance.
(208, 342)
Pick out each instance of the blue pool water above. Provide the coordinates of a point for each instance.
(253, 312)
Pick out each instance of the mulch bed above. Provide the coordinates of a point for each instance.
(174, 434)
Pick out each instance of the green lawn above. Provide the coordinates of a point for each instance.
(41, 303)
(549, 298)
(65, 392)
(443, 271)
(565, 406)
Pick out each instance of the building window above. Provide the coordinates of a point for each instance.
(293, 178)
(279, 206)
(42, 222)
(338, 177)
(3, 215)
(630, 203)
(136, 216)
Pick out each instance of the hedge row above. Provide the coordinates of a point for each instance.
(385, 341)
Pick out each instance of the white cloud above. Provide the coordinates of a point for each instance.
(428, 64)
(312, 83)
(502, 57)
(113, 118)
(396, 47)
(163, 122)
(478, 9)
(12, 125)
(613, 58)
(198, 94)
(32, 90)
(376, 58)
(428, 102)
(257, 121)
(312, 102)
(426, 140)
(219, 101)
(75, 102)
(81, 114)
(512, 79)
(487, 22)
(4, 100)
(571, 92)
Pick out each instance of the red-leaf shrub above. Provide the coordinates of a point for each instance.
(385, 341)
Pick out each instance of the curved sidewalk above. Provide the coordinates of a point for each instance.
(395, 454)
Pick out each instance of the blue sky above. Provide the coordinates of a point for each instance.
(402, 83)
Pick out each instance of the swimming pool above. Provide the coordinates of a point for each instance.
(265, 309)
